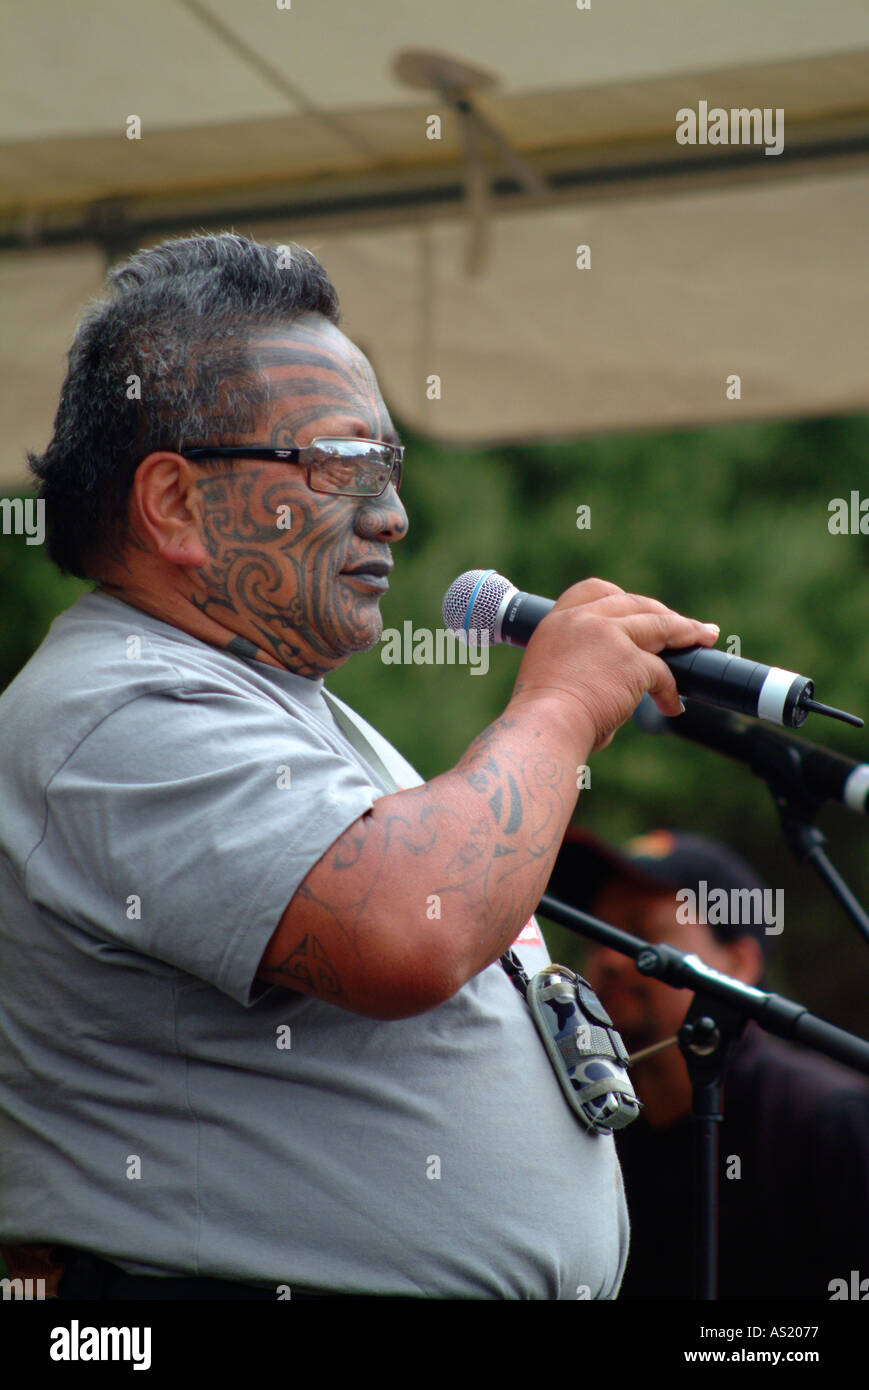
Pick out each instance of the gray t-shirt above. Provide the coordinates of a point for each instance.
(161, 801)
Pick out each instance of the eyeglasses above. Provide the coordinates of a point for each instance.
(350, 467)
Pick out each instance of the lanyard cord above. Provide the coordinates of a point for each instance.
(511, 963)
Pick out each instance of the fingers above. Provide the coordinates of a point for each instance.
(587, 591)
(607, 600)
(664, 693)
(662, 627)
(666, 630)
(600, 645)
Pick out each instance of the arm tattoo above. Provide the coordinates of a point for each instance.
(308, 964)
(519, 826)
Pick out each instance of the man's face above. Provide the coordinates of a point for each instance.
(279, 554)
(644, 1010)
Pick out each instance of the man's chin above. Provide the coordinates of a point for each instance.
(361, 639)
(370, 636)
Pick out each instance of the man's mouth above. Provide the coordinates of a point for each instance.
(374, 573)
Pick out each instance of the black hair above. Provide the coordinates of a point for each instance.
(164, 361)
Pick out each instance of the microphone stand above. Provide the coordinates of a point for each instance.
(782, 765)
(782, 769)
(716, 1018)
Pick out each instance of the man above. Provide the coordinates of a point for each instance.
(794, 1143)
(254, 1032)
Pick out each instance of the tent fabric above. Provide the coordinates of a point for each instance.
(290, 123)
(681, 294)
(251, 156)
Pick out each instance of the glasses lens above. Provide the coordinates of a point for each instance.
(355, 467)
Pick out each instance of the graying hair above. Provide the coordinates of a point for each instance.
(163, 361)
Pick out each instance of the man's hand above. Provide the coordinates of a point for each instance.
(594, 655)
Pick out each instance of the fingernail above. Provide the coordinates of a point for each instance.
(681, 707)
(713, 627)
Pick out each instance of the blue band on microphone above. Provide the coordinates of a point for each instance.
(472, 599)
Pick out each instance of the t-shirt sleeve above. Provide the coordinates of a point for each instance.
(181, 826)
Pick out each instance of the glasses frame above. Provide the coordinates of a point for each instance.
(303, 456)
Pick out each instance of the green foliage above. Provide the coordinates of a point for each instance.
(726, 524)
(33, 593)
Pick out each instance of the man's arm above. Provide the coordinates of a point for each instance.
(477, 843)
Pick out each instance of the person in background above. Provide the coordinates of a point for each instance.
(794, 1142)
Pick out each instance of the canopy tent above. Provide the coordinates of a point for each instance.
(456, 257)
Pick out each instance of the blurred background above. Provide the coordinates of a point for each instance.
(554, 294)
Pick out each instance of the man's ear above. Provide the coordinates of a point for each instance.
(168, 509)
(745, 957)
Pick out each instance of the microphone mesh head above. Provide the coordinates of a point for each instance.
(486, 588)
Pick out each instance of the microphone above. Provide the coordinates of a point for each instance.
(825, 776)
(485, 602)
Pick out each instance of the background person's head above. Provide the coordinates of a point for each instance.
(220, 340)
(636, 888)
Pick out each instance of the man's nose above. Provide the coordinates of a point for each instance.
(382, 518)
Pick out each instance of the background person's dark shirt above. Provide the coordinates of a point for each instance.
(798, 1216)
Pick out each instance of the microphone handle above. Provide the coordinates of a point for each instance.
(731, 682)
(516, 622)
(703, 674)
